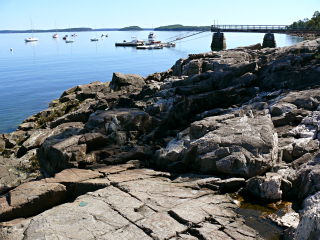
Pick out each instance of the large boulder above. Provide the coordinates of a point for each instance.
(126, 81)
(121, 125)
(240, 146)
(63, 149)
(230, 144)
(267, 188)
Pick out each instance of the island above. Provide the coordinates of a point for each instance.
(179, 27)
(131, 28)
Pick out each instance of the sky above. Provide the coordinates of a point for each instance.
(50, 14)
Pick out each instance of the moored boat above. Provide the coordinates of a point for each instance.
(68, 40)
(31, 39)
(55, 35)
(94, 39)
(150, 46)
(133, 43)
(65, 37)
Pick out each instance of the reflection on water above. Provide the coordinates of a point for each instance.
(35, 73)
(256, 215)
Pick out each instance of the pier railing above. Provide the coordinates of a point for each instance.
(263, 29)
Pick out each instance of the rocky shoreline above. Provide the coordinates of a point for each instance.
(162, 157)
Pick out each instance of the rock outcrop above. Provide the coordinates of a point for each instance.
(244, 120)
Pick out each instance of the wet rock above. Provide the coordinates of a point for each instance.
(288, 220)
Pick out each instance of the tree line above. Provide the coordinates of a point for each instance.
(312, 23)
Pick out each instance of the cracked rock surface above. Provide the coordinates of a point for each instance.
(139, 204)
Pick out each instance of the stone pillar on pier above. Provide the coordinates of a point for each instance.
(218, 42)
(269, 41)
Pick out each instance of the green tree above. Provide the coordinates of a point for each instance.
(314, 22)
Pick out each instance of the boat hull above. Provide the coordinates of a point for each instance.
(31, 40)
(128, 44)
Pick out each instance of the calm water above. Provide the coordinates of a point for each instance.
(34, 74)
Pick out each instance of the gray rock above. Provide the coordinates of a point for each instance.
(61, 151)
(309, 226)
(27, 126)
(281, 108)
(303, 146)
(136, 208)
(239, 146)
(31, 198)
(308, 179)
(124, 81)
(267, 188)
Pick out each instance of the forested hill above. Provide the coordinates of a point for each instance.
(179, 27)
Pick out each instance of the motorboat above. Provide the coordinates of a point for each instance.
(94, 39)
(68, 40)
(133, 43)
(31, 39)
(151, 37)
(55, 35)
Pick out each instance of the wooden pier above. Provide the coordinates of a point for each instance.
(263, 29)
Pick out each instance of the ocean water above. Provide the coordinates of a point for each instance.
(34, 74)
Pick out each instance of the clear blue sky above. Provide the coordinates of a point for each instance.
(16, 14)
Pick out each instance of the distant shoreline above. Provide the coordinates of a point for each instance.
(176, 27)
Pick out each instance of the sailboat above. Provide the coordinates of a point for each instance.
(55, 35)
(32, 38)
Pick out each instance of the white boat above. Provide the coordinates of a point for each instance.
(151, 37)
(31, 39)
(55, 35)
(134, 42)
(94, 39)
(149, 47)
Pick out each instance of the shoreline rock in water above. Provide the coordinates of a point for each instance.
(244, 120)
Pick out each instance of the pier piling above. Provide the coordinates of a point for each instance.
(269, 41)
(218, 42)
